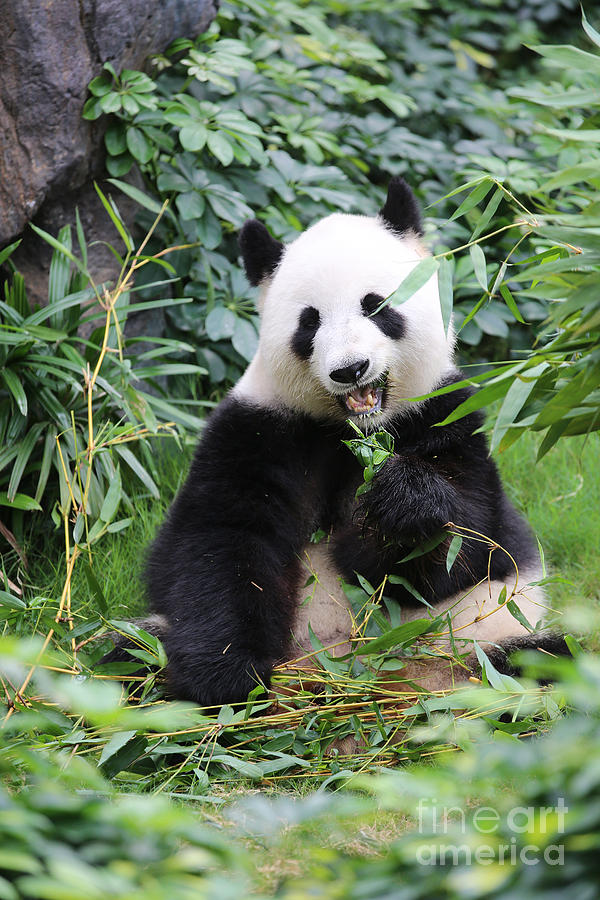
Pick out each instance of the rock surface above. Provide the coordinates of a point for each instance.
(49, 52)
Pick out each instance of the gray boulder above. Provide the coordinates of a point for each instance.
(49, 52)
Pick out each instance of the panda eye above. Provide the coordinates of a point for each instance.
(304, 335)
(389, 321)
(371, 303)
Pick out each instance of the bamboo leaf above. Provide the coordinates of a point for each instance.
(7, 251)
(134, 464)
(112, 498)
(115, 218)
(569, 57)
(591, 32)
(15, 387)
(476, 196)
(453, 551)
(413, 282)
(479, 265)
(445, 286)
(401, 636)
(22, 458)
(19, 501)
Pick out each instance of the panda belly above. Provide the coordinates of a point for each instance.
(321, 604)
(475, 613)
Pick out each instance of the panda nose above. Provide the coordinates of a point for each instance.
(352, 373)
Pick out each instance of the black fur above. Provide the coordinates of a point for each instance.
(401, 211)
(304, 335)
(502, 657)
(391, 322)
(261, 253)
(225, 567)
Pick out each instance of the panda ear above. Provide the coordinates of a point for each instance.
(261, 252)
(400, 211)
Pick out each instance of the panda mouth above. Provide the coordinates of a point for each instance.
(366, 400)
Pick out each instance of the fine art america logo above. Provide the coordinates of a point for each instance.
(480, 835)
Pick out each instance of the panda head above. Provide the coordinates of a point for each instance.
(325, 348)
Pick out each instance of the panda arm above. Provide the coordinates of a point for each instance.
(444, 476)
(224, 568)
(411, 498)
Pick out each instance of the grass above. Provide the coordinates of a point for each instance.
(118, 559)
(560, 497)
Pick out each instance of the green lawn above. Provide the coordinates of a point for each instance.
(560, 496)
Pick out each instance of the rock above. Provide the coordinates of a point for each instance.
(50, 51)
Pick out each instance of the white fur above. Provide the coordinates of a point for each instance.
(331, 267)
(475, 613)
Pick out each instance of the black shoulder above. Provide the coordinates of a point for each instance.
(423, 427)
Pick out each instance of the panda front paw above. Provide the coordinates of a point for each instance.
(408, 499)
(380, 507)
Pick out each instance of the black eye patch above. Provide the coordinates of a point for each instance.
(388, 320)
(304, 335)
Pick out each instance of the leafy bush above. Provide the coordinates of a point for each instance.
(54, 399)
(555, 387)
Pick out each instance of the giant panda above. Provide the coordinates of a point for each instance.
(227, 573)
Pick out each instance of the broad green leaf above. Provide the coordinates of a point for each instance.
(220, 323)
(138, 144)
(191, 205)
(115, 140)
(193, 137)
(220, 147)
(245, 339)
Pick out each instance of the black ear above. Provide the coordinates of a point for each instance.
(400, 211)
(261, 252)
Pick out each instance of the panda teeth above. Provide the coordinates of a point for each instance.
(362, 401)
